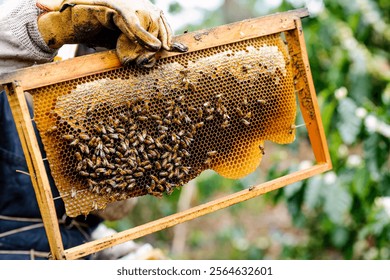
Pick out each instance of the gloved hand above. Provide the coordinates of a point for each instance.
(137, 28)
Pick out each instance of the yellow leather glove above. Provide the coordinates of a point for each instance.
(137, 28)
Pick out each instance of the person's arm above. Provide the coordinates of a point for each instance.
(31, 31)
(21, 44)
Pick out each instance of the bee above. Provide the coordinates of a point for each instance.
(158, 165)
(108, 172)
(154, 178)
(212, 153)
(167, 121)
(291, 129)
(68, 137)
(84, 136)
(84, 174)
(148, 167)
(245, 101)
(73, 193)
(123, 118)
(108, 190)
(185, 153)
(210, 110)
(155, 117)
(191, 109)
(140, 137)
(200, 113)
(251, 188)
(246, 122)
(112, 183)
(84, 148)
(248, 115)
(93, 142)
(207, 104)
(110, 166)
(209, 118)
(105, 139)
(177, 121)
(78, 156)
(170, 102)
(79, 166)
(239, 111)
(91, 183)
(51, 130)
(109, 129)
(165, 155)
(163, 174)
(138, 174)
(113, 136)
(167, 147)
(261, 102)
(164, 163)
(95, 205)
(98, 128)
(262, 149)
(134, 127)
(100, 170)
(219, 96)
(131, 186)
(90, 163)
(186, 170)
(180, 98)
(120, 130)
(152, 154)
(187, 119)
(162, 128)
(207, 161)
(122, 185)
(199, 125)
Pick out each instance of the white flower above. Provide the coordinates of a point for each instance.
(330, 178)
(354, 160)
(361, 113)
(371, 123)
(341, 93)
(305, 165)
(343, 151)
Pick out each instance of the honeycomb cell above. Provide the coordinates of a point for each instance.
(130, 132)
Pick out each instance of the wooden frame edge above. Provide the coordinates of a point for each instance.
(49, 73)
(192, 213)
(36, 167)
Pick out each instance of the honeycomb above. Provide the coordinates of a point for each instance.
(130, 132)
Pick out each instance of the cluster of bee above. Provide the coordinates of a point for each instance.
(143, 150)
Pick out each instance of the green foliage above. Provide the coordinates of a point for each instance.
(340, 209)
(339, 212)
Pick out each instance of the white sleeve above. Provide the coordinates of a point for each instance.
(21, 44)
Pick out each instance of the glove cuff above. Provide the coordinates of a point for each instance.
(24, 26)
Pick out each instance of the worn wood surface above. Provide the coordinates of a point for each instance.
(50, 73)
(36, 167)
(306, 94)
(192, 213)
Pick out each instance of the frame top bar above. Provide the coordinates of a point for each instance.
(55, 72)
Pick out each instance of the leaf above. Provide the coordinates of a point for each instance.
(313, 192)
(292, 189)
(337, 202)
(349, 124)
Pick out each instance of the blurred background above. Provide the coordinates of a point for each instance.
(342, 214)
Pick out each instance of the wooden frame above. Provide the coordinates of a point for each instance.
(15, 83)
